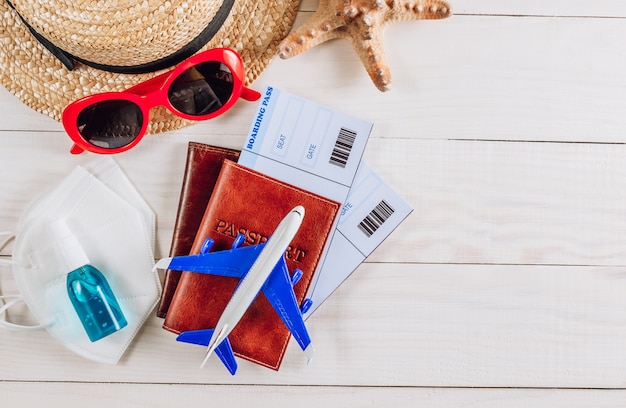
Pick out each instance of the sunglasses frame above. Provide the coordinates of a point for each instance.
(154, 92)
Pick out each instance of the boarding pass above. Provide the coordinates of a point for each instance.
(320, 149)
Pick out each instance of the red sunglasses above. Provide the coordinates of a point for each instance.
(200, 88)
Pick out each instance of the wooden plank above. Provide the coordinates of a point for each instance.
(141, 395)
(479, 77)
(475, 202)
(578, 8)
(398, 325)
(505, 203)
(570, 8)
(468, 77)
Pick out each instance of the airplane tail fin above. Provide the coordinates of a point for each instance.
(309, 351)
(224, 351)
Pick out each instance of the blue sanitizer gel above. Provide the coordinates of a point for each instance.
(88, 290)
(94, 302)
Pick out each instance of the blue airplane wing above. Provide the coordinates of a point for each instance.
(234, 263)
(279, 291)
(224, 351)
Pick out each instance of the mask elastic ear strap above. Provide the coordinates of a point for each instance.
(3, 242)
(16, 298)
(9, 236)
(13, 326)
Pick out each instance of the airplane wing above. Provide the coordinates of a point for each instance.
(279, 291)
(224, 350)
(234, 263)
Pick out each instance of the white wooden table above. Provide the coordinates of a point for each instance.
(505, 129)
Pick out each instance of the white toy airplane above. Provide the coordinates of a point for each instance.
(261, 268)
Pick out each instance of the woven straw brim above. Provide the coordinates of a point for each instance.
(254, 28)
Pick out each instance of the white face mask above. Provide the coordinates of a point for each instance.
(114, 228)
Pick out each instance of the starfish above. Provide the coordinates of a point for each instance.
(362, 22)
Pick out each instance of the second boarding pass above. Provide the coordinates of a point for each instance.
(320, 149)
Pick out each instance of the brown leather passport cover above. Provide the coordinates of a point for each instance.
(203, 165)
(245, 201)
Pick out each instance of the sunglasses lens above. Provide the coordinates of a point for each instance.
(110, 124)
(202, 89)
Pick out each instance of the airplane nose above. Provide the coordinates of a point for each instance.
(300, 210)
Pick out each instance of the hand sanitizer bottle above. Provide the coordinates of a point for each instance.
(88, 290)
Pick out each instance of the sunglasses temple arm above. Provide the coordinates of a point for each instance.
(250, 94)
(76, 149)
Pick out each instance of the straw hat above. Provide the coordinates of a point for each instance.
(116, 44)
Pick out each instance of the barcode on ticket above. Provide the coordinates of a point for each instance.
(376, 218)
(343, 147)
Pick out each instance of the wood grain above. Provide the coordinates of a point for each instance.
(141, 395)
(505, 130)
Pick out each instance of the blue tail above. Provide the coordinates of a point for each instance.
(224, 351)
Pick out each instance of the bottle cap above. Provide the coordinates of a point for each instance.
(70, 252)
